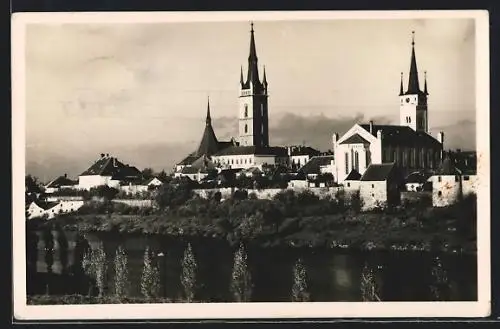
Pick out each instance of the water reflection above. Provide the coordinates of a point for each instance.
(267, 275)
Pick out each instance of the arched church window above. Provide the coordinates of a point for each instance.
(346, 163)
(356, 161)
(246, 129)
(246, 111)
(262, 129)
(261, 110)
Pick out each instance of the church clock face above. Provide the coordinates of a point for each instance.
(407, 99)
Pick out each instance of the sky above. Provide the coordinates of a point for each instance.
(139, 91)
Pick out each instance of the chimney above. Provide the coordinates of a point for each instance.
(371, 127)
(65, 175)
(440, 137)
(379, 134)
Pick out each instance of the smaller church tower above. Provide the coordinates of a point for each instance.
(413, 102)
(253, 123)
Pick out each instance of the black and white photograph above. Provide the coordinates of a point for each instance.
(244, 165)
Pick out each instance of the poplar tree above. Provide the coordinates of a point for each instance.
(188, 275)
(150, 280)
(369, 286)
(121, 273)
(299, 288)
(241, 280)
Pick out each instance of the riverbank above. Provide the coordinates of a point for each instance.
(272, 224)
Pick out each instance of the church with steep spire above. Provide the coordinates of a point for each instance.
(408, 145)
(251, 148)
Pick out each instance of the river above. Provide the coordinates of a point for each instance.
(332, 274)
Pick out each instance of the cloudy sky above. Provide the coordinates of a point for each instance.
(139, 91)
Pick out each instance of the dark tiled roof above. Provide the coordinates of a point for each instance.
(244, 150)
(355, 139)
(209, 144)
(447, 168)
(353, 175)
(189, 159)
(109, 166)
(378, 172)
(190, 170)
(394, 135)
(61, 181)
(314, 164)
(46, 205)
(304, 150)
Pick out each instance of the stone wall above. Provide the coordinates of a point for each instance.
(136, 202)
(226, 192)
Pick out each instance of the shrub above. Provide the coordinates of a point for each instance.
(355, 202)
(439, 287)
(150, 280)
(299, 288)
(241, 281)
(188, 275)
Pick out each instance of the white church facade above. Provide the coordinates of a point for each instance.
(409, 144)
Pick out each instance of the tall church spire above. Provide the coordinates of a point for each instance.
(208, 119)
(401, 91)
(264, 79)
(413, 85)
(241, 76)
(253, 70)
(425, 83)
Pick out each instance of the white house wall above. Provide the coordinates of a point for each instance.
(244, 161)
(446, 188)
(89, 181)
(373, 194)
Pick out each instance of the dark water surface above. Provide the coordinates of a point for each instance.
(332, 274)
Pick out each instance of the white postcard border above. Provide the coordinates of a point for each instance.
(22, 311)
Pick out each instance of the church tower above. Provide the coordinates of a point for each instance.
(253, 111)
(413, 102)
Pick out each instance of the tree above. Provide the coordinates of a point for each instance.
(299, 288)
(241, 280)
(162, 175)
(188, 275)
(147, 173)
(369, 286)
(150, 280)
(440, 286)
(171, 195)
(48, 240)
(121, 273)
(95, 266)
(62, 241)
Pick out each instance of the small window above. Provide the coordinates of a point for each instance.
(466, 177)
(373, 195)
(409, 119)
(348, 184)
(439, 178)
(246, 111)
(440, 193)
(246, 129)
(373, 185)
(456, 178)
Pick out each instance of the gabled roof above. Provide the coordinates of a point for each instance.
(252, 150)
(353, 175)
(45, 205)
(148, 181)
(313, 166)
(403, 136)
(303, 150)
(61, 181)
(378, 172)
(189, 159)
(355, 139)
(110, 166)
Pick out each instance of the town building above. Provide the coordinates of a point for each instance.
(408, 145)
(450, 184)
(109, 171)
(379, 186)
(60, 183)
